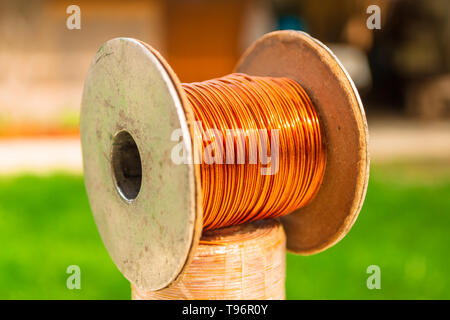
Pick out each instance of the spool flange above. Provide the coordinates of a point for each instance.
(147, 208)
(332, 213)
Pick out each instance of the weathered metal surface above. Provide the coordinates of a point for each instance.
(149, 238)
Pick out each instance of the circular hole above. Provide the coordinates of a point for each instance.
(126, 165)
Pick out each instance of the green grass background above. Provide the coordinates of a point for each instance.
(404, 228)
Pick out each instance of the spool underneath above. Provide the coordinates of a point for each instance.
(238, 262)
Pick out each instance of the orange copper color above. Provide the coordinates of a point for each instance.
(238, 262)
(234, 192)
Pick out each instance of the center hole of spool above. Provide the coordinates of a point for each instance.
(126, 165)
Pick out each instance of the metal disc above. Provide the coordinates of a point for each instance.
(144, 204)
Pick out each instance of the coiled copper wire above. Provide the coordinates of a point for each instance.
(235, 193)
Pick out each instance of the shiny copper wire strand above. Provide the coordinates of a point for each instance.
(237, 193)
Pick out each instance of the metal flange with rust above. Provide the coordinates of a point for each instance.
(148, 208)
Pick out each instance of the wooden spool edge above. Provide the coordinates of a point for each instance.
(332, 213)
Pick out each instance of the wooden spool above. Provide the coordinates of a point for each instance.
(147, 208)
(246, 261)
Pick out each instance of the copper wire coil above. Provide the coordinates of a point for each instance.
(235, 192)
(242, 252)
(238, 262)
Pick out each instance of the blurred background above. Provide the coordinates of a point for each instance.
(402, 71)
